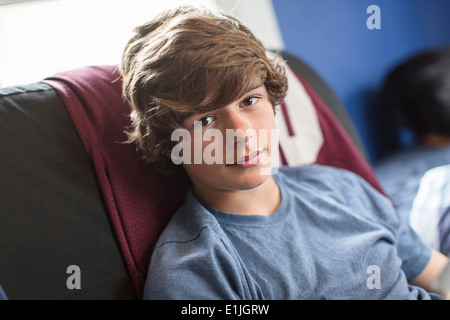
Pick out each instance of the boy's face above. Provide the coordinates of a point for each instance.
(237, 156)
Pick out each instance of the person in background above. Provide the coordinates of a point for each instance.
(416, 94)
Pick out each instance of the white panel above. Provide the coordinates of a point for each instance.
(304, 146)
(257, 15)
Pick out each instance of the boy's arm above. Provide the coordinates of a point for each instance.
(427, 278)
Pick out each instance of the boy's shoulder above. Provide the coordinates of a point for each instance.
(325, 181)
(311, 168)
(319, 173)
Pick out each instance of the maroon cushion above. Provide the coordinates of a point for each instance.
(139, 201)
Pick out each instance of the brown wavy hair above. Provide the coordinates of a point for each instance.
(185, 61)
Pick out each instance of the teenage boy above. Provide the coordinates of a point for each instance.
(308, 232)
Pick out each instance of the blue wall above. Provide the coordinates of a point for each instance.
(332, 37)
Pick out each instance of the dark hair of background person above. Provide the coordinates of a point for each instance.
(417, 93)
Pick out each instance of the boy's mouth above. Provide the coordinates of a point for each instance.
(248, 160)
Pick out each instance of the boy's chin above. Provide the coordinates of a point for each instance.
(251, 181)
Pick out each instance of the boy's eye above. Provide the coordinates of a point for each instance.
(204, 121)
(249, 101)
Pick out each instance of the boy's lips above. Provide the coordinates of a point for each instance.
(248, 160)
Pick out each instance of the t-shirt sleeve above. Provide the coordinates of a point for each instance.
(415, 254)
(199, 269)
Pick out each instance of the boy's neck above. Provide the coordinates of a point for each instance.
(262, 200)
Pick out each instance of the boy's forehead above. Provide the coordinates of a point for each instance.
(216, 91)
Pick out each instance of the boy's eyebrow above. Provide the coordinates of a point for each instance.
(256, 86)
(253, 87)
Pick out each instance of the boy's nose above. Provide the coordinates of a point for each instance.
(237, 120)
(242, 128)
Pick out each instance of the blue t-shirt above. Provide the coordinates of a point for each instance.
(400, 173)
(332, 237)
